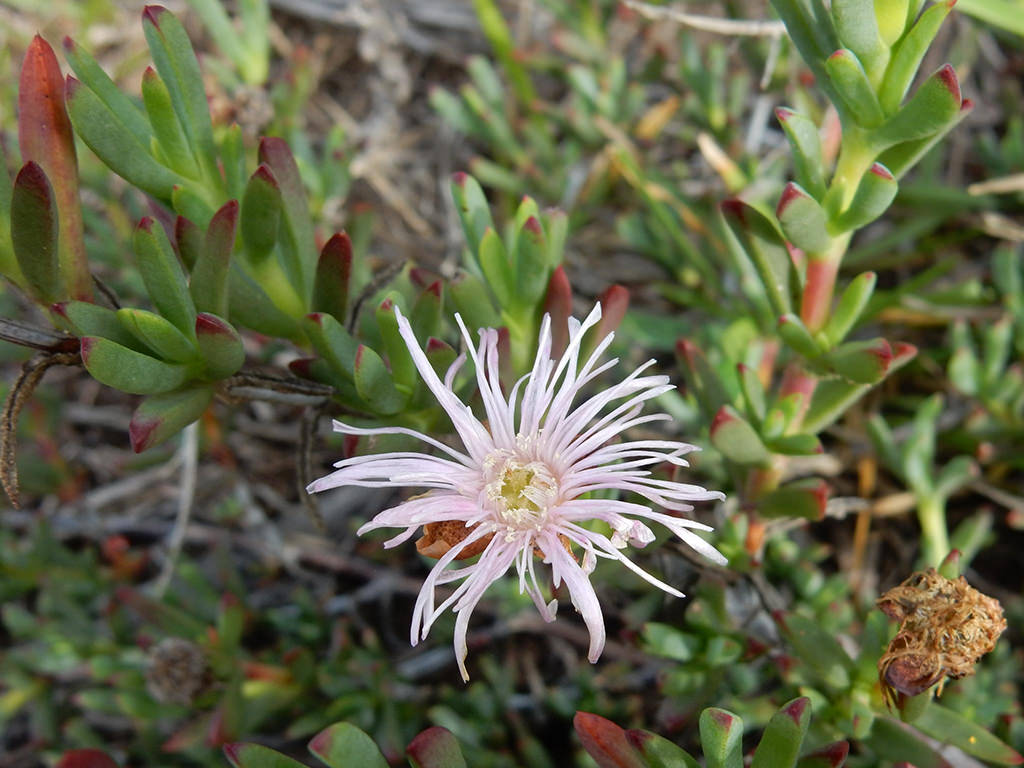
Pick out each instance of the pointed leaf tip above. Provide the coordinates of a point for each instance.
(735, 208)
(141, 432)
(233, 752)
(436, 748)
(881, 171)
(533, 226)
(947, 75)
(344, 744)
(721, 717)
(152, 14)
(790, 193)
(321, 743)
(263, 173)
(86, 758)
(606, 742)
(796, 709)
(213, 325)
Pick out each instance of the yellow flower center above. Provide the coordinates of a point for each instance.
(519, 492)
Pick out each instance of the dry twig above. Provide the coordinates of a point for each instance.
(742, 27)
(21, 391)
(189, 452)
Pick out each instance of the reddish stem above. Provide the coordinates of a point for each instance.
(798, 381)
(817, 299)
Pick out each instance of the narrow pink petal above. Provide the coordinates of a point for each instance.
(528, 584)
(488, 572)
(581, 591)
(533, 402)
(609, 549)
(485, 360)
(425, 599)
(438, 507)
(474, 436)
(347, 429)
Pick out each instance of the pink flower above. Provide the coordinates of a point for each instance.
(519, 488)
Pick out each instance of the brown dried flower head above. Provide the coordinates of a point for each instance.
(177, 671)
(945, 627)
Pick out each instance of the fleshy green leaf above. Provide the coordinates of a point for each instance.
(160, 417)
(96, 80)
(852, 84)
(805, 143)
(176, 62)
(802, 219)
(795, 334)
(766, 249)
(721, 737)
(220, 346)
(496, 268)
(168, 133)
(832, 397)
(232, 157)
(753, 392)
(333, 274)
(818, 649)
(188, 239)
(795, 445)
(606, 742)
(933, 107)
(402, 367)
(45, 137)
(158, 334)
(435, 748)
(736, 439)
(374, 383)
(104, 133)
(865, 362)
(805, 499)
(425, 316)
(35, 232)
(257, 756)
(129, 371)
(163, 276)
(498, 35)
(701, 378)
(261, 214)
(831, 756)
(474, 213)
(251, 307)
(850, 306)
(783, 736)
(191, 204)
(857, 28)
(344, 746)
(472, 301)
(332, 342)
(895, 741)
(87, 319)
(209, 281)
(298, 246)
(908, 54)
(875, 193)
(659, 752)
(531, 262)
